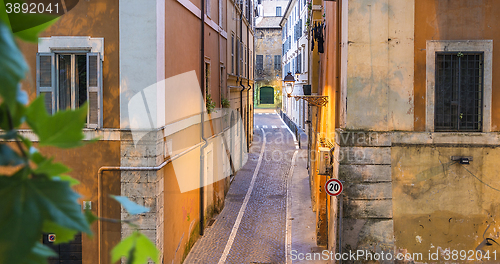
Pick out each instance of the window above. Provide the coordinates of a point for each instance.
(277, 62)
(68, 80)
(240, 51)
(207, 7)
(459, 85)
(299, 63)
(221, 78)
(304, 61)
(260, 62)
(232, 53)
(207, 78)
(459, 91)
(278, 11)
(251, 63)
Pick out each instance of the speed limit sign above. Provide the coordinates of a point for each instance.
(333, 187)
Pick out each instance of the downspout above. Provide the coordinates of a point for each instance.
(248, 84)
(337, 121)
(240, 48)
(118, 168)
(202, 167)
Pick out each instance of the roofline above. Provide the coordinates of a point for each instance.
(288, 10)
(269, 27)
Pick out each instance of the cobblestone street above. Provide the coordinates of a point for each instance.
(252, 228)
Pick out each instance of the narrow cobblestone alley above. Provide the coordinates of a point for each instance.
(252, 227)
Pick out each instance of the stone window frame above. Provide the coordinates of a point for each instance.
(434, 46)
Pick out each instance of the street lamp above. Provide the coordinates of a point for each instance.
(289, 82)
(297, 75)
(317, 100)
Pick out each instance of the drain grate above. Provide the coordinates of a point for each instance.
(235, 197)
(211, 222)
(276, 196)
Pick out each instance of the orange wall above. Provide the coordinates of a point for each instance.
(85, 162)
(454, 20)
(97, 19)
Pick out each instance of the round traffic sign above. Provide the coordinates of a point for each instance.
(333, 187)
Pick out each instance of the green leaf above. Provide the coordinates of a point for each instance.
(9, 157)
(131, 207)
(63, 129)
(20, 21)
(49, 168)
(63, 234)
(25, 141)
(125, 248)
(9, 135)
(60, 204)
(39, 254)
(137, 248)
(3, 14)
(31, 34)
(91, 218)
(25, 205)
(12, 68)
(20, 220)
(72, 181)
(12, 116)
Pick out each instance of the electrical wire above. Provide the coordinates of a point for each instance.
(480, 179)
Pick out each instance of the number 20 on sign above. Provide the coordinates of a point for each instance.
(333, 187)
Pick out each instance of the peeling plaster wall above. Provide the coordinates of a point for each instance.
(438, 203)
(363, 163)
(380, 65)
(454, 20)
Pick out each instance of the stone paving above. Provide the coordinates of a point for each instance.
(260, 237)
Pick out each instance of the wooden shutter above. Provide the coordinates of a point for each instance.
(45, 80)
(94, 90)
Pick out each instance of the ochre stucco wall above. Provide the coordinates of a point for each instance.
(454, 20)
(85, 162)
(438, 204)
(380, 65)
(97, 19)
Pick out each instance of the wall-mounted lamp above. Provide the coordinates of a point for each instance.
(289, 82)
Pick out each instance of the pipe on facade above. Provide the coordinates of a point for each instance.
(202, 66)
(118, 168)
(248, 83)
(339, 231)
(240, 50)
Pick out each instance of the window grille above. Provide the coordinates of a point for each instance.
(459, 91)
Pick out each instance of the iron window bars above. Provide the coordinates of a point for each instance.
(459, 91)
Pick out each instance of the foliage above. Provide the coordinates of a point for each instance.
(35, 194)
(225, 103)
(137, 248)
(210, 104)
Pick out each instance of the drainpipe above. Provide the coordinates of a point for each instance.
(248, 84)
(117, 168)
(240, 48)
(338, 94)
(202, 167)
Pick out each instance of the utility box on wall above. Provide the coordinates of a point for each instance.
(324, 161)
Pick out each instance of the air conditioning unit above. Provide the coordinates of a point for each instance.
(324, 161)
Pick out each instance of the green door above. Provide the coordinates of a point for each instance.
(267, 95)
